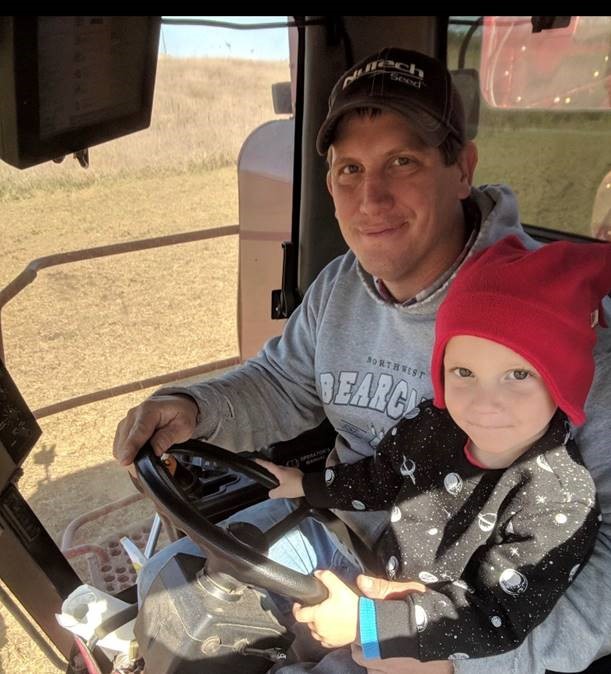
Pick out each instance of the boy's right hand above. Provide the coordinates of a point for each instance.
(291, 480)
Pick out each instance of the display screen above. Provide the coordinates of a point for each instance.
(70, 82)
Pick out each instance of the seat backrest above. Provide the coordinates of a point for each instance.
(265, 189)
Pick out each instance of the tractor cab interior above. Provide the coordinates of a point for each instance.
(535, 89)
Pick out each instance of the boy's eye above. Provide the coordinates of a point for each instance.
(403, 161)
(348, 169)
(462, 372)
(519, 374)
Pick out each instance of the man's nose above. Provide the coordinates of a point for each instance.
(375, 195)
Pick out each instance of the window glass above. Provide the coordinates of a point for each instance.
(107, 322)
(544, 114)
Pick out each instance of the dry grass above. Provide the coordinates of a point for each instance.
(104, 322)
(203, 110)
(86, 326)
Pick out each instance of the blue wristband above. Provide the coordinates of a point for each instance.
(368, 628)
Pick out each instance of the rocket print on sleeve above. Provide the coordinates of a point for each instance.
(408, 468)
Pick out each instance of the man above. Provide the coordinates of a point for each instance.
(358, 348)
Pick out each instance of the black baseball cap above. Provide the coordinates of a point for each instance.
(403, 81)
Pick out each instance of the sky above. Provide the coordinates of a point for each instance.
(266, 44)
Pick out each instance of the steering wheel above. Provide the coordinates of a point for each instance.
(224, 551)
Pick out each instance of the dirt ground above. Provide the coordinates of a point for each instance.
(87, 326)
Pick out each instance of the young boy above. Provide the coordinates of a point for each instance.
(491, 507)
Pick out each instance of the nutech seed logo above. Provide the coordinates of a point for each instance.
(387, 65)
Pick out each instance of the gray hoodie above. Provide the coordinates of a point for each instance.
(364, 363)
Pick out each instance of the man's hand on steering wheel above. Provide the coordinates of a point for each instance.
(162, 420)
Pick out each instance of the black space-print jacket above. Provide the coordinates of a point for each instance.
(496, 548)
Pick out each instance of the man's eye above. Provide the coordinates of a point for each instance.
(519, 375)
(403, 161)
(462, 372)
(348, 169)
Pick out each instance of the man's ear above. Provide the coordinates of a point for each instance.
(329, 185)
(329, 159)
(467, 161)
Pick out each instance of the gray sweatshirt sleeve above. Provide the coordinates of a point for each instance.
(273, 396)
(578, 630)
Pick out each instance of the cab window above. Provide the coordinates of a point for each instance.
(544, 100)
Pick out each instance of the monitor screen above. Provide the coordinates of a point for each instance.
(70, 82)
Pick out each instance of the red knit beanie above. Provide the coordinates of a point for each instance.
(540, 303)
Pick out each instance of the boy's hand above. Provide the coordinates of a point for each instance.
(380, 588)
(334, 621)
(291, 480)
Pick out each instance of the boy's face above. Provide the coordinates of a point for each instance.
(496, 397)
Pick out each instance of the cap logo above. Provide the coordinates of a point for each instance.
(416, 75)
